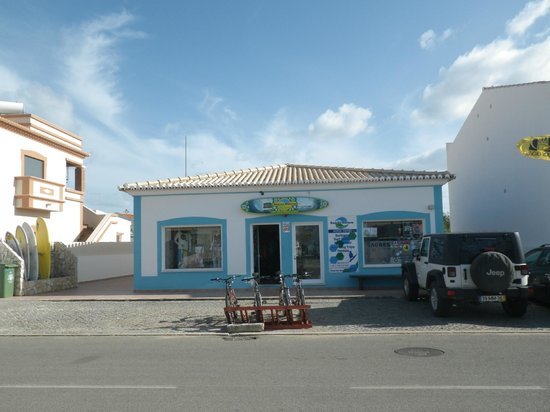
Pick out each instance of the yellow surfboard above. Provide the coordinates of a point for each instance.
(535, 147)
(44, 250)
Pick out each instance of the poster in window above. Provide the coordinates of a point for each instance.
(342, 238)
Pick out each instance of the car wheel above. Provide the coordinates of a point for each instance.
(440, 306)
(410, 290)
(515, 308)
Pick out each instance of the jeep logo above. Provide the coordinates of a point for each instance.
(499, 273)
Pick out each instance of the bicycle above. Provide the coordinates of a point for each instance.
(254, 280)
(299, 295)
(230, 296)
(284, 291)
(258, 301)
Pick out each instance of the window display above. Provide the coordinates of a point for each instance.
(390, 242)
(193, 247)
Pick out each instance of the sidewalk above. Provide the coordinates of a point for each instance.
(121, 288)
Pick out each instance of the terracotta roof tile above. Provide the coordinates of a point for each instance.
(287, 174)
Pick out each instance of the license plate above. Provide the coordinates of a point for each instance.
(492, 298)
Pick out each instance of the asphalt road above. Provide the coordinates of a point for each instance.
(472, 372)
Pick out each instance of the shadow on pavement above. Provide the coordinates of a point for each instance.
(400, 313)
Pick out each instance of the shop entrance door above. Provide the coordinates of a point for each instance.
(267, 252)
(307, 251)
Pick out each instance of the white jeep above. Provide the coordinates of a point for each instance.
(475, 267)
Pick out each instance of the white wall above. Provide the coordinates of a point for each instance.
(497, 188)
(103, 260)
(161, 206)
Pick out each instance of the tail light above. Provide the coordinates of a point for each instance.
(451, 272)
(524, 269)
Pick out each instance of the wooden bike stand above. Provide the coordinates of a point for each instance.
(273, 317)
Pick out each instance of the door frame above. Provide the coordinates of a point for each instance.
(250, 248)
(319, 224)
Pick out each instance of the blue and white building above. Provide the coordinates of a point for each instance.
(331, 222)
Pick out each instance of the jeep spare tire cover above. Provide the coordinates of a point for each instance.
(492, 272)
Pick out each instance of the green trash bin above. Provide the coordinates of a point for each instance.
(7, 278)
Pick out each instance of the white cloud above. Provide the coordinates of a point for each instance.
(91, 65)
(349, 121)
(429, 39)
(281, 142)
(214, 107)
(527, 17)
(431, 160)
(500, 62)
(507, 60)
(37, 98)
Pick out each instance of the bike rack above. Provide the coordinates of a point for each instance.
(273, 317)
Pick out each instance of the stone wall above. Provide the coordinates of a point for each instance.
(64, 271)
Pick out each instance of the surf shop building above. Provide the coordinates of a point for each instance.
(333, 223)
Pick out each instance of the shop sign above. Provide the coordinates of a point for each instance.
(535, 147)
(342, 240)
(286, 205)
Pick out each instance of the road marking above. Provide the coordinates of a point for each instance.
(453, 387)
(84, 387)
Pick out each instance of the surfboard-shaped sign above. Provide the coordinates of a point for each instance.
(535, 147)
(286, 205)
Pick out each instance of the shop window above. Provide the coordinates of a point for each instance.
(193, 247)
(33, 167)
(390, 242)
(74, 177)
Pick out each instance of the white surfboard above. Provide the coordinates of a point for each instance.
(33, 251)
(12, 242)
(24, 245)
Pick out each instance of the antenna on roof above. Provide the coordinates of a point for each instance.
(185, 156)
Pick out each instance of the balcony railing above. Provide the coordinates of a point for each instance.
(38, 194)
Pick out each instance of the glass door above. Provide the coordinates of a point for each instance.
(308, 252)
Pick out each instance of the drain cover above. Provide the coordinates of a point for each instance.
(239, 338)
(419, 352)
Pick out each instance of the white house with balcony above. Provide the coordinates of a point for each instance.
(501, 160)
(42, 174)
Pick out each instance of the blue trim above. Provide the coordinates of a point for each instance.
(286, 238)
(438, 209)
(179, 279)
(390, 215)
(137, 239)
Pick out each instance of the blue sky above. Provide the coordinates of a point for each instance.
(374, 84)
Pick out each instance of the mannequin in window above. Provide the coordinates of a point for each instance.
(215, 247)
(182, 243)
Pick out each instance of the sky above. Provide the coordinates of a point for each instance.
(169, 88)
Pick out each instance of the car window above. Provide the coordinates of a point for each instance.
(532, 256)
(437, 248)
(545, 259)
(471, 247)
(425, 247)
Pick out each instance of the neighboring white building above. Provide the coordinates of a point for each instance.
(105, 227)
(497, 188)
(41, 175)
(331, 222)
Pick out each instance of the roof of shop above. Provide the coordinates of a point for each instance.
(286, 174)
